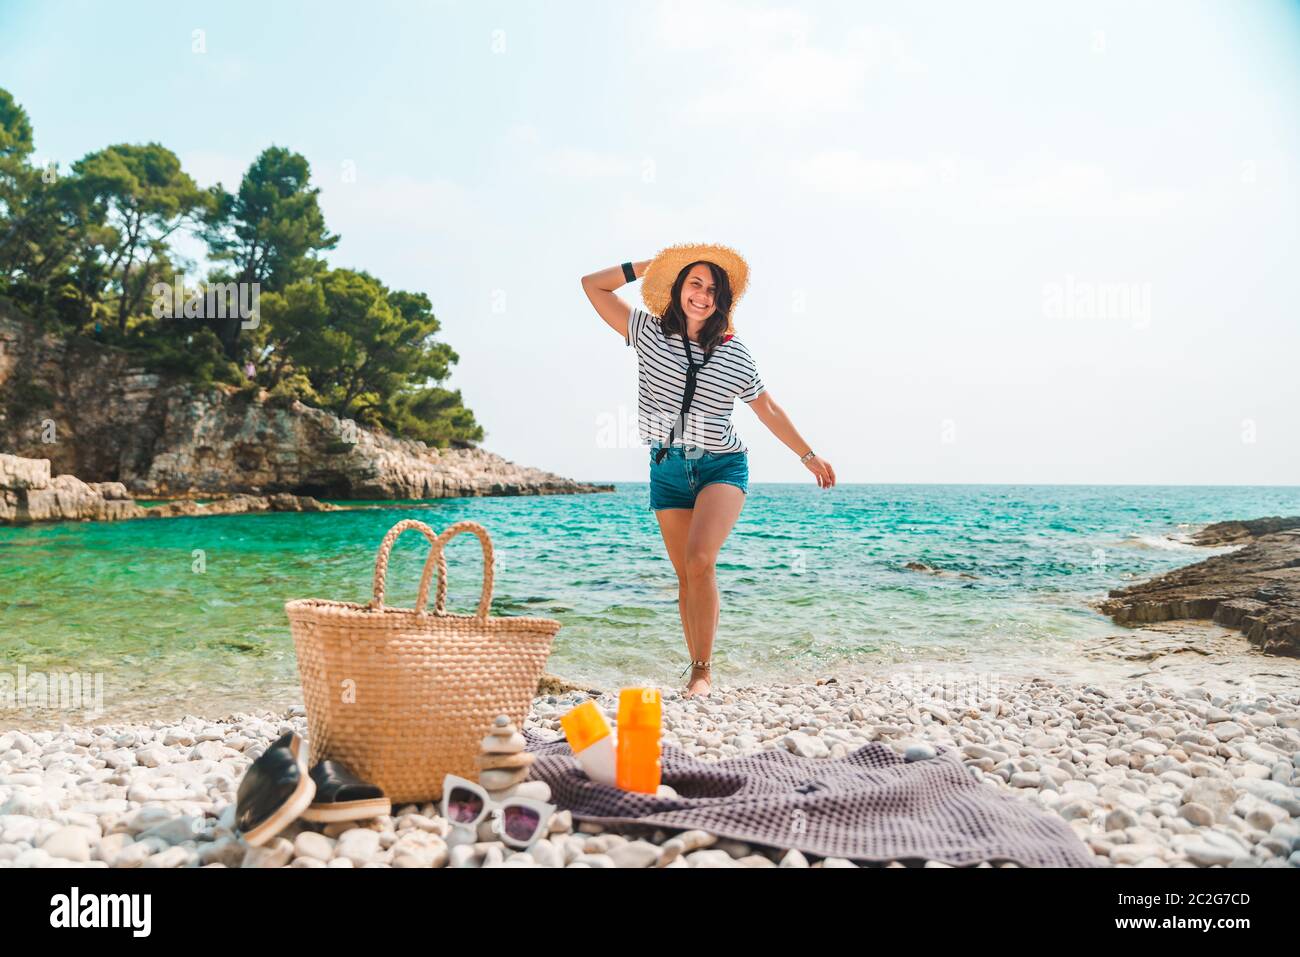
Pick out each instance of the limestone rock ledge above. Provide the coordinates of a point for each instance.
(28, 494)
(211, 442)
(1255, 589)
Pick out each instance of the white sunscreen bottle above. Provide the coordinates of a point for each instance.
(592, 741)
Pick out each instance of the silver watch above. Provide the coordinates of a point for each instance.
(811, 455)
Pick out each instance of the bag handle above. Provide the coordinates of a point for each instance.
(435, 560)
(440, 601)
(381, 560)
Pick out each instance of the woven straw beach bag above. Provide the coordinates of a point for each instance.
(405, 696)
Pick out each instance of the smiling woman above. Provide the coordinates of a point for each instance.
(691, 370)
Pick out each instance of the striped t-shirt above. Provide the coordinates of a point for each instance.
(730, 372)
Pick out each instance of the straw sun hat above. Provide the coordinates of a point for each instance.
(657, 283)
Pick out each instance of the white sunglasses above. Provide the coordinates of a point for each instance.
(519, 821)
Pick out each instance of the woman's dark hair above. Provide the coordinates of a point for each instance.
(673, 321)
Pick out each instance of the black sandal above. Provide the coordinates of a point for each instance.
(276, 789)
(342, 796)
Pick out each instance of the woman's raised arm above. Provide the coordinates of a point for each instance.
(779, 424)
(600, 286)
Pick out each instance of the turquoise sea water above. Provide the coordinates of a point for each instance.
(813, 581)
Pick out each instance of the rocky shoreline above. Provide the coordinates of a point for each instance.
(1254, 588)
(29, 494)
(1144, 778)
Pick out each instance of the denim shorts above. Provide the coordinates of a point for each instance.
(677, 480)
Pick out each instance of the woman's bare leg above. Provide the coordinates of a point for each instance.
(716, 509)
(675, 525)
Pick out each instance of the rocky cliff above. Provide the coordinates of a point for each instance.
(28, 493)
(85, 409)
(1255, 589)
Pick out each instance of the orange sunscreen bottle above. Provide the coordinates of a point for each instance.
(591, 740)
(640, 711)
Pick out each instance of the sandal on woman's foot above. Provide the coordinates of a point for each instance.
(698, 666)
(276, 789)
(342, 796)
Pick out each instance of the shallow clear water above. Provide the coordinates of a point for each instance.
(813, 581)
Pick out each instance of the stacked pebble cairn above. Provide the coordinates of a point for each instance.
(503, 770)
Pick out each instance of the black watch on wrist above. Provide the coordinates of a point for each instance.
(629, 273)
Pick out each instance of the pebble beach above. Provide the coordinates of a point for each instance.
(1146, 774)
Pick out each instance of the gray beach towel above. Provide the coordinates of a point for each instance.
(869, 805)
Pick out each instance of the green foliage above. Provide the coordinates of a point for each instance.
(145, 197)
(47, 231)
(82, 253)
(15, 129)
(270, 231)
(192, 352)
(435, 416)
(296, 385)
(368, 354)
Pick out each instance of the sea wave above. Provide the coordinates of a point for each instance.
(1165, 543)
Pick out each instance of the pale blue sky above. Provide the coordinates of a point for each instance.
(917, 188)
